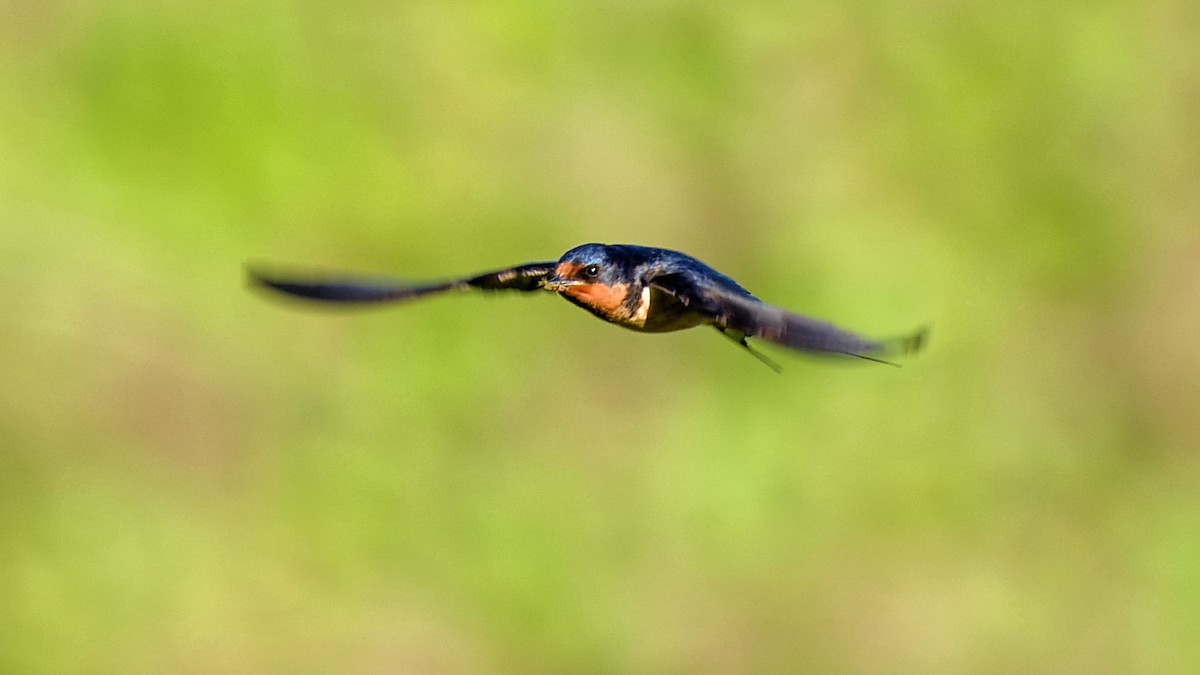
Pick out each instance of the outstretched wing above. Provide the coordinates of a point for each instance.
(341, 289)
(734, 312)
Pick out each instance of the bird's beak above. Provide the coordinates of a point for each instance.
(556, 283)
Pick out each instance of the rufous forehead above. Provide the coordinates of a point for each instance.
(567, 270)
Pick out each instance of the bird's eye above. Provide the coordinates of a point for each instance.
(591, 271)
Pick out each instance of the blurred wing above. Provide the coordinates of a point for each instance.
(337, 289)
(744, 314)
(530, 277)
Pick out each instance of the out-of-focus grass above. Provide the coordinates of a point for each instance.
(193, 478)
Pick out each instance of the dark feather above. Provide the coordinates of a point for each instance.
(339, 289)
(733, 309)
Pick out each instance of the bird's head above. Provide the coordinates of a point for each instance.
(583, 265)
(590, 276)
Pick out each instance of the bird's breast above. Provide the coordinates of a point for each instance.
(648, 309)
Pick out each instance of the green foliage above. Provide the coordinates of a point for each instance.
(193, 478)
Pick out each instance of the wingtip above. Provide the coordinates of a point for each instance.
(917, 341)
(903, 346)
(258, 277)
(252, 275)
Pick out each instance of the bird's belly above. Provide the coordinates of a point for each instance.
(677, 322)
(662, 313)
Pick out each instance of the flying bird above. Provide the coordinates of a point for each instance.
(652, 290)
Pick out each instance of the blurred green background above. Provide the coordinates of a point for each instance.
(196, 479)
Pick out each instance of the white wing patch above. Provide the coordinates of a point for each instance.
(643, 307)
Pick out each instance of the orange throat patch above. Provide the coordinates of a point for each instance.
(605, 301)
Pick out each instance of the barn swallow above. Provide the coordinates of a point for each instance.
(646, 289)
